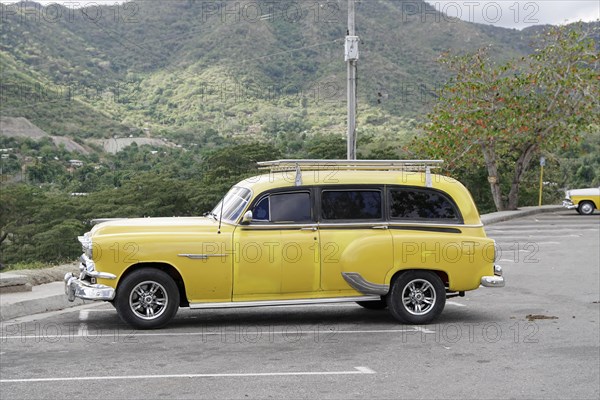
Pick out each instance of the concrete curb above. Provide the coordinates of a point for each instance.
(502, 216)
(51, 297)
(12, 283)
(42, 298)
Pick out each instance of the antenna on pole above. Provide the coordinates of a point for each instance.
(351, 58)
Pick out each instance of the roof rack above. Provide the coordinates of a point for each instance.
(351, 165)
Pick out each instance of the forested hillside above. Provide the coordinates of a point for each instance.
(194, 67)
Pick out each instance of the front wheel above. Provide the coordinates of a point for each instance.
(147, 299)
(417, 297)
(586, 208)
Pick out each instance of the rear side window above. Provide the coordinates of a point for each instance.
(351, 204)
(422, 204)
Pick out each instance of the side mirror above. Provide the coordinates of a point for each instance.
(247, 218)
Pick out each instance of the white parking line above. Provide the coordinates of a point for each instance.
(453, 303)
(84, 315)
(356, 371)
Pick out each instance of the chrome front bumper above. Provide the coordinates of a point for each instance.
(76, 288)
(569, 204)
(497, 280)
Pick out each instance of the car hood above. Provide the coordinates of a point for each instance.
(155, 225)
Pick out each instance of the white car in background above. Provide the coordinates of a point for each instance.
(584, 200)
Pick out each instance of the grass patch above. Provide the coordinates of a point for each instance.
(26, 265)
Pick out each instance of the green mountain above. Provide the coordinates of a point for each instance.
(195, 69)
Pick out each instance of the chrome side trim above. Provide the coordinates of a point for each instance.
(201, 256)
(237, 304)
(275, 226)
(434, 224)
(379, 224)
(365, 225)
(392, 223)
(360, 284)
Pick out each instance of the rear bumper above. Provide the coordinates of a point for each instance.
(76, 288)
(497, 280)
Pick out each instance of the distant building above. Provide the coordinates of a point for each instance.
(76, 163)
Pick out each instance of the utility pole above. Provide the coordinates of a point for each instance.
(351, 57)
(542, 164)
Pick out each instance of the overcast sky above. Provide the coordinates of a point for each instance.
(507, 13)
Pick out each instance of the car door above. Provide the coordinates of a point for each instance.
(277, 253)
(353, 238)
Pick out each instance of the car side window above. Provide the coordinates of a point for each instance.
(422, 204)
(284, 207)
(351, 204)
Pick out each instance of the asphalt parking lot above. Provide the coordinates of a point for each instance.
(536, 338)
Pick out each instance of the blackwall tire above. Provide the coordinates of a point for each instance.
(417, 297)
(586, 208)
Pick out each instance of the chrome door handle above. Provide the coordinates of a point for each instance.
(311, 229)
(380, 227)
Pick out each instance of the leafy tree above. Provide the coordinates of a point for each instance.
(230, 164)
(501, 116)
(329, 147)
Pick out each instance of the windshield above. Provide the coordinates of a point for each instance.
(233, 204)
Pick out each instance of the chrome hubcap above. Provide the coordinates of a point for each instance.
(418, 297)
(148, 300)
(586, 208)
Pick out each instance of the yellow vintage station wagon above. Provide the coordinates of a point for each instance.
(379, 233)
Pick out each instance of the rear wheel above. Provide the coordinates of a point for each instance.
(147, 299)
(373, 305)
(586, 208)
(417, 297)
